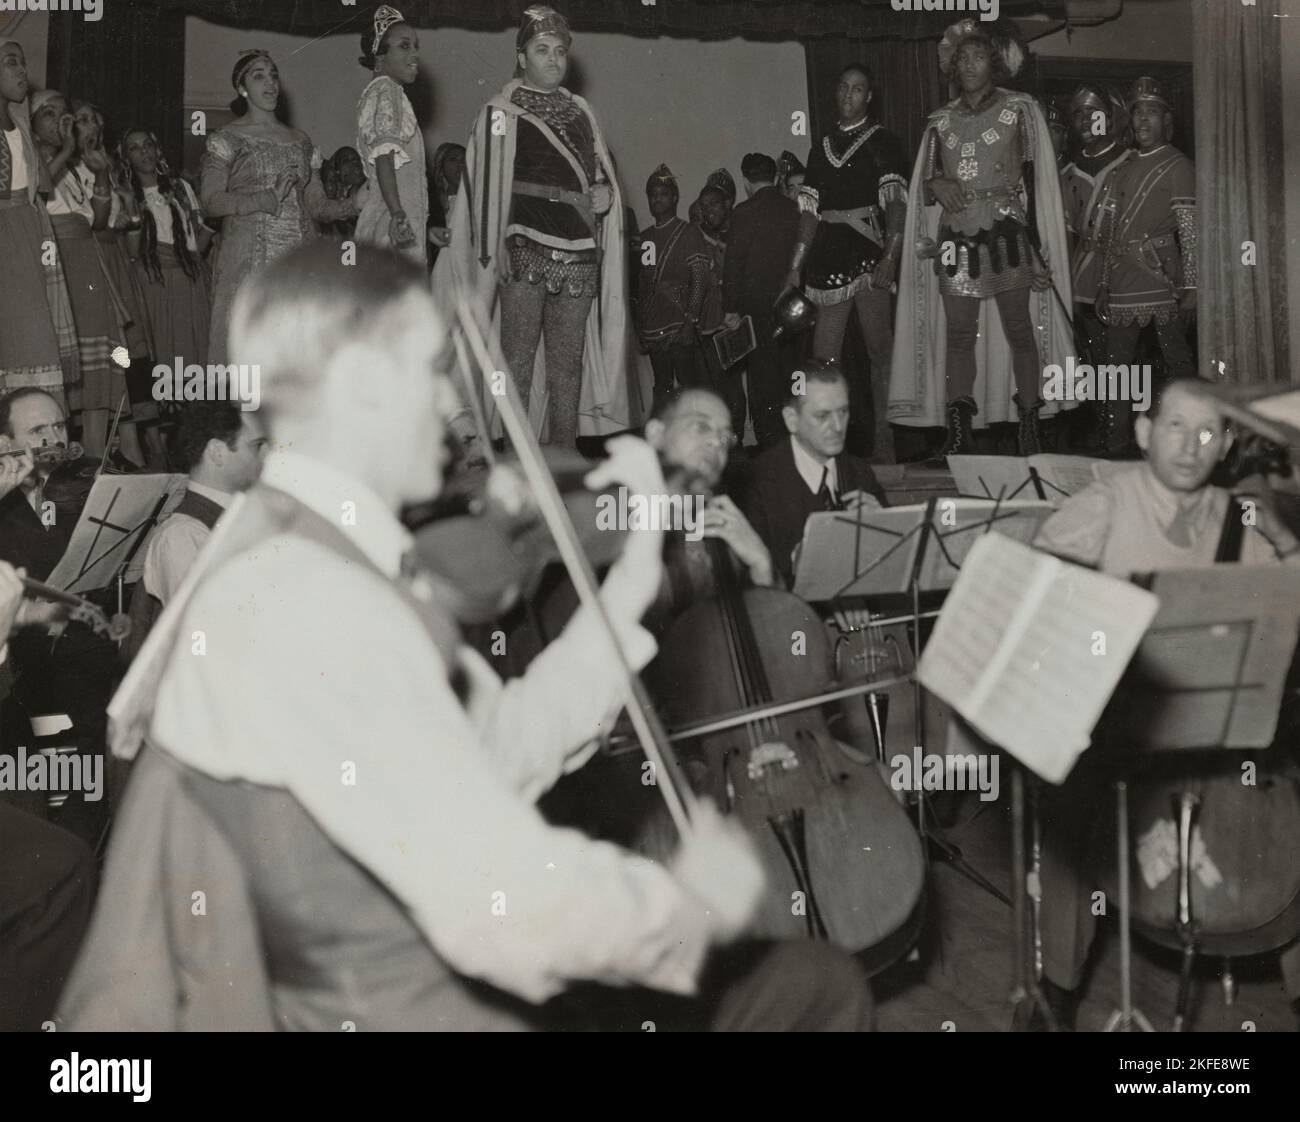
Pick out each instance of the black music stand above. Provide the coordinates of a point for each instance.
(1208, 675)
(903, 552)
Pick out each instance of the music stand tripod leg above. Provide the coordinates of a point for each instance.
(1125, 1017)
(1026, 997)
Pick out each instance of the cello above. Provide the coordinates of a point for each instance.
(843, 861)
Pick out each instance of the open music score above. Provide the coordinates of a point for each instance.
(1029, 649)
(1017, 477)
(877, 552)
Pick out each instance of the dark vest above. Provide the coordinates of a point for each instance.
(145, 607)
(298, 934)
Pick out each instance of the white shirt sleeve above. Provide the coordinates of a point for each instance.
(170, 554)
(315, 677)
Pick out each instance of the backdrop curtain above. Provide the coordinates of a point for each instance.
(706, 19)
(131, 63)
(1240, 179)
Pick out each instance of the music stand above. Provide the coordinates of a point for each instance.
(1208, 675)
(902, 552)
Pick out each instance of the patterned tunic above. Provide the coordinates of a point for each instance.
(551, 241)
(386, 126)
(984, 150)
(671, 291)
(1147, 229)
(1082, 184)
(857, 186)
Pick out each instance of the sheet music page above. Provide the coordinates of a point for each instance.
(1049, 641)
(1067, 474)
(988, 477)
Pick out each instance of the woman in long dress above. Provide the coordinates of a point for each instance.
(80, 204)
(389, 139)
(258, 177)
(38, 340)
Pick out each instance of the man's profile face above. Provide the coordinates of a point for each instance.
(417, 396)
(244, 462)
(821, 419)
(695, 441)
(1184, 441)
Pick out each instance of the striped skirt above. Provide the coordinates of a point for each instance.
(38, 339)
(177, 316)
(99, 316)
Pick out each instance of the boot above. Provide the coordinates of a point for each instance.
(961, 440)
(1030, 439)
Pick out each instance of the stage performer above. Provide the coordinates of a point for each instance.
(853, 204)
(985, 204)
(537, 235)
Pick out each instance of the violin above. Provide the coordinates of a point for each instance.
(487, 536)
(115, 627)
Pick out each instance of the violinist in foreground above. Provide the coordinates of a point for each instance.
(366, 826)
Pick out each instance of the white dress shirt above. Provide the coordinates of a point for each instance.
(810, 469)
(174, 545)
(298, 669)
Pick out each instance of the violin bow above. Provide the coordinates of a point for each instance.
(650, 731)
(112, 432)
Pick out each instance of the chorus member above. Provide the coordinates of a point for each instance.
(985, 204)
(810, 471)
(791, 175)
(447, 168)
(1148, 233)
(671, 288)
(167, 246)
(1098, 118)
(38, 343)
(343, 176)
(81, 203)
(763, 233)
(853, 204)
(551, 248)
(389, 138)
(715, 226)
(258, 178)
(1161, 513)
(377, 908)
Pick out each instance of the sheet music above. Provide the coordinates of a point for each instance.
(1029, 649)
(112, 521)
(960, 523)
(1009, 476)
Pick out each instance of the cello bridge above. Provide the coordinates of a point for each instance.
(771, 754)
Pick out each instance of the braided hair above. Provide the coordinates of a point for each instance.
(177, 200)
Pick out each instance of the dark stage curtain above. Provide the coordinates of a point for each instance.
(131, 63)
(716, 19)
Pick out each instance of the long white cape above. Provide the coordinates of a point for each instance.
(917, 388)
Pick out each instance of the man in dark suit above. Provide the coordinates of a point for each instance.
(31, 536)
(763, 232)
(810, 471)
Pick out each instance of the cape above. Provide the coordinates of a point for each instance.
(917, 388)
(471, 267)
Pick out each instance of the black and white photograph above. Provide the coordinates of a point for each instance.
(650, 516)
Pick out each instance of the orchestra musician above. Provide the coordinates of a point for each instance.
(377, 804)
(32, 534)
(811, 471)
(1161, 513)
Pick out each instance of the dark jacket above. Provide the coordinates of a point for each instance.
(777, 501)
(763, 233)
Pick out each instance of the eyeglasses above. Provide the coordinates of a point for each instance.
(698, 426)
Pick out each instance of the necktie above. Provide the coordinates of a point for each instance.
(1180, 529)
(825, 496)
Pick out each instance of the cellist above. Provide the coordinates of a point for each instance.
(395, 772)
(1161, 513)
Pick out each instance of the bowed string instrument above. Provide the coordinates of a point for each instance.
(832, 840)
